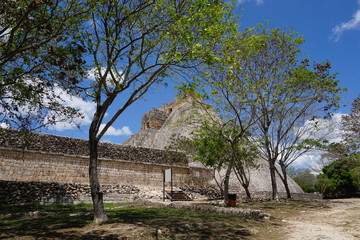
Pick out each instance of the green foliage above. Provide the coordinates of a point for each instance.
(136, 44)
(304, 178)
(214, 150)
(40, 53)
(341, 177)
(284, 94)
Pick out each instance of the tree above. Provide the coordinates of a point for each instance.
(40, 58)
(341, 178)
(292, 96)
(210, 146)
(304, 178)
(212, 151)
(246, 159)
(134, 44)
(231, 86)
(351, 126)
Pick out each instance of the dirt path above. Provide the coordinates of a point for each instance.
(340, 221)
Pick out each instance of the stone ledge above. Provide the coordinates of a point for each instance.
(255, 214)
(65, 146)
(102, 159)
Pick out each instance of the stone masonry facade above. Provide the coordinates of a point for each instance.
(44, 159)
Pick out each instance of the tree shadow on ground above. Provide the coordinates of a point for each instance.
(172, 223)
(181, 224)
(43, 227)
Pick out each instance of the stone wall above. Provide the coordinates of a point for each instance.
(39, 142)
(268, 195)
(44, 192)
(21, 165)
(47, 159)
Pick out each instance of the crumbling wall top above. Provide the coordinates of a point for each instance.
(40, 142)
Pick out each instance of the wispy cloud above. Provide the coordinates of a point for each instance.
(94, 75)
(124, 131)
(258, 2)
(328, 129)
(353, 24)
(324, 129)
(307, 160)
(86, 109)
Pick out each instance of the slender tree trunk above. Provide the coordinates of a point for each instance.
(96, 192)
(284, 179)
(275, 195)
(286, 184)
(226, 183)
(219, 184)
(244, 180)
(247, 191)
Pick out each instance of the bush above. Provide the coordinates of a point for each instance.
(304, 178)
(341, 178)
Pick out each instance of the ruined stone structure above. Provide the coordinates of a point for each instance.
(177, 118)
(154, 119)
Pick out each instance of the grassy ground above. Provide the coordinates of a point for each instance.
(141, 222)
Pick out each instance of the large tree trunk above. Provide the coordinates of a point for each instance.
(275, 195)
(96, 192)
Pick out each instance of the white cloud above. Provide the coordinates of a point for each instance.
(93, 74)
(87, 109)
(327, 129)
(323, 129)
(124, 131)
(4, 125)
(258, 2)
(353, 24)
(4, 36)
(309, 159)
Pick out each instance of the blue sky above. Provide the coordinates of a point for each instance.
(331, 29)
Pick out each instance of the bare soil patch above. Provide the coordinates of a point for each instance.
(340, 221)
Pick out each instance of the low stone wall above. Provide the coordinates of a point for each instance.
(268, 195)
(255, 214)
(45, 192)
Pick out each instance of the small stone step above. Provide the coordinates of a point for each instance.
(178, 196)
